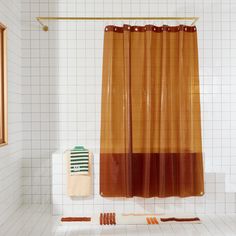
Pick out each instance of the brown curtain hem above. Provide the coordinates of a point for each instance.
(170, 174)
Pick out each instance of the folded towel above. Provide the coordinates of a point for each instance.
(79, 184)
(79, 161)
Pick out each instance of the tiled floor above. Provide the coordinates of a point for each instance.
(37, 220)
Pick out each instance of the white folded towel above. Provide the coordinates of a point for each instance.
(79, 184)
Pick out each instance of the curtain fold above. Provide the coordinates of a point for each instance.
(150, 119)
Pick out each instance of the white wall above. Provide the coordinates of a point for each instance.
(11, 155)
(62, 83)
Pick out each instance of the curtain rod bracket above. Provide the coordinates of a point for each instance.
(45, 27)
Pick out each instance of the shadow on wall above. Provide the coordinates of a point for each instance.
(49, 55)
(74, 72)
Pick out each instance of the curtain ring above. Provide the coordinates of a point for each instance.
(177, 23)
(106, 23)
(110, 22)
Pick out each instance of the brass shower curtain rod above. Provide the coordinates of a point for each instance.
(45, 27)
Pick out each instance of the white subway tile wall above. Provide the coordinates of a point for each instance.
(62, 72)
(11, 154)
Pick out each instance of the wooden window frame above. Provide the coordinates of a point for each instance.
(3, 81)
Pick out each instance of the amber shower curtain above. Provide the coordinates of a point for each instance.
(150, 119)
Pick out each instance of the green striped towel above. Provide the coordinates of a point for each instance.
(79, 161)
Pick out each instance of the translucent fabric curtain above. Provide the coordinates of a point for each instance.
(1, 88)
(150, 118)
